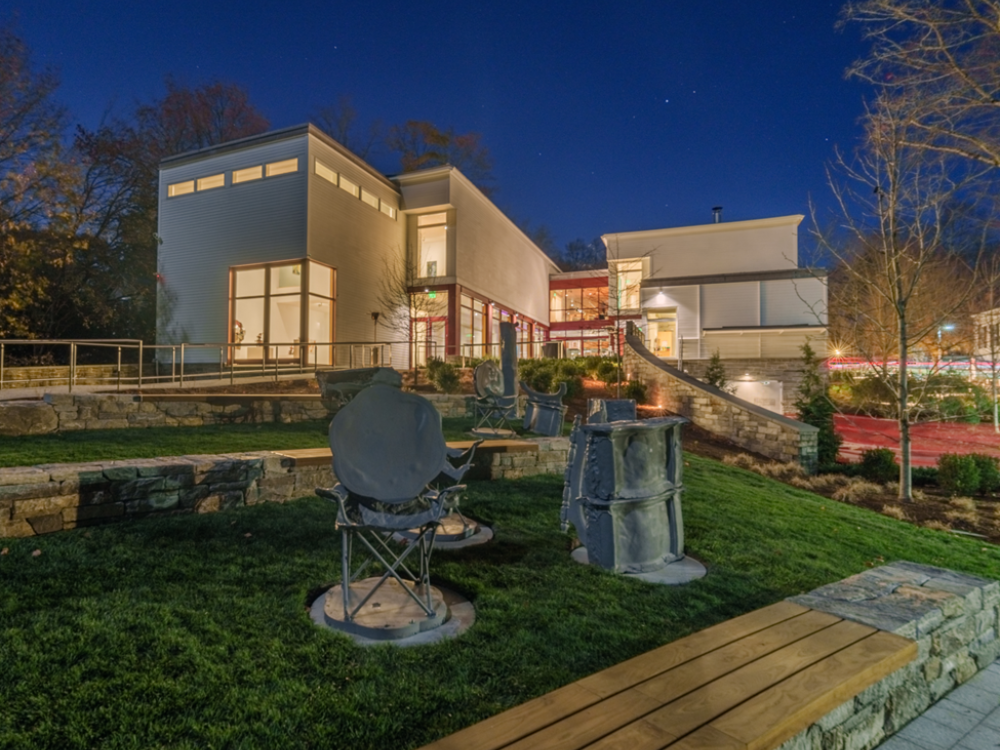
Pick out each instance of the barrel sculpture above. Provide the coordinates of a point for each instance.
(623, 493)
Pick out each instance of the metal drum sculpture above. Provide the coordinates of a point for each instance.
(623, 493)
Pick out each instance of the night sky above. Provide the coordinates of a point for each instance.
(600, 117)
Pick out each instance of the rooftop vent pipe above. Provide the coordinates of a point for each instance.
(717, 213)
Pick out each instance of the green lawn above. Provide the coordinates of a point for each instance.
(192, 631)
(97, 445)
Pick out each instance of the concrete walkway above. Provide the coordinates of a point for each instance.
(968, 718)
(193, 383)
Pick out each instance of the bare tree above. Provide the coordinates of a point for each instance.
(940, 60)
(340, 122)
(897, 278)
(422, 145)
(986, 336)
(401, 304)
(31, 124)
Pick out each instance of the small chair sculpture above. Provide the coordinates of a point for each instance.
(545, 412)
(493, 408)
(387, 447)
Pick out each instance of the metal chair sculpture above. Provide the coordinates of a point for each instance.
(545, 412)
(387, 447)
(494, 409)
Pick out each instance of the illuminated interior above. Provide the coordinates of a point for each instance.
(432, 245)
(661, 332)
(267, 312)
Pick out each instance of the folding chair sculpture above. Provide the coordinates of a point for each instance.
(387, 446)
(493, 408)
(545, 412)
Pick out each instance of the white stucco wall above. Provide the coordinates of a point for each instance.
(728, 247)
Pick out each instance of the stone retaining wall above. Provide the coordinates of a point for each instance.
(788, 371)
(549, 458)
(747, 425)
(953, 617)
(62, 412)
(40, 377)
(52, 497)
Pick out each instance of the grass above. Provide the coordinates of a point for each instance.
(107, 445)
(192, 631)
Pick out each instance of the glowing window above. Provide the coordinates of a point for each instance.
(628, 277)
(245, 175)
(281, 167)
(180, 188)
(325, 172)
(215, 181)
(350, 187)
(371, 200)
(388, 210)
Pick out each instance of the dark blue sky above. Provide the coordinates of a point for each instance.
(600, 117)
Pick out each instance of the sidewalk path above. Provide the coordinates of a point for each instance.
(968, 718)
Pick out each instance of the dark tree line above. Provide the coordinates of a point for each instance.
(78, 207)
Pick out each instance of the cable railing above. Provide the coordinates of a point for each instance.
(130, 363)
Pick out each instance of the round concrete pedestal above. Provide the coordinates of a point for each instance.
(454, 532)
(391, 615)
(673, 574)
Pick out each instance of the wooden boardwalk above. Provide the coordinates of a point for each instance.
(751, 682)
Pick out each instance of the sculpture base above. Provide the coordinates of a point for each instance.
(389, 615)
(454, 532)
(676, 573)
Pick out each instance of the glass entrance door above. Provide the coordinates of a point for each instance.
(661, 336)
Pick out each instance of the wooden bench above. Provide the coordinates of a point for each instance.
(751, 682)
(322, 456)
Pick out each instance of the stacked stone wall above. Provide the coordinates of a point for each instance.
(550, 458)
(748, 426)
(953, 617)
(42, 377)
(63, 412)
(52, 497)
(789, 372)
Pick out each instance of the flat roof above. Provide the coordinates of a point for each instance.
(722, 226)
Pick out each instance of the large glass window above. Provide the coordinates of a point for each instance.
(270, 305)
(628, 277)
(570, 305)
(432, 245)
(472, 326)
(661, 332)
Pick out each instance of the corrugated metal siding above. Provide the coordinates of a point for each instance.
(496, 259)
(205, 233)
(793, 302)
(356, 239)
(727, 305)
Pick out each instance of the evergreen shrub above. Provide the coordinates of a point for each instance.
(958, 474)
(879, 465)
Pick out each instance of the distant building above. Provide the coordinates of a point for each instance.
(287, 248)
(283, 242)
(732, 287)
